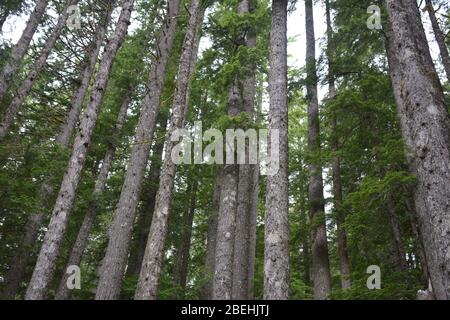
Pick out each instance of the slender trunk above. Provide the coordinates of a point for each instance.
(253, 216)
(399, 248)
(440, 38)
(276, 252)
(46, 263)
(344, 263)
(19, 50)
(321, 266)
(210, 258)
(114, 262)
(425, 127)
(26, 86)
(63, 291)
(78, 97)
(20, 260)
(243, 213)
(144, 219)
(147, 288)
(182, 261)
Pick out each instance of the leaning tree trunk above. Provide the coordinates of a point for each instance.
(276, 237)
(19, 261)
(320, 264)
(25, 88)
(440, 38)
(425, 127)
(245, 188)
(114, 262)
(46, 263)
(147, 288)
(144, 219)
(76, 253)
(344, 263)
(20, 49)
(78, 97)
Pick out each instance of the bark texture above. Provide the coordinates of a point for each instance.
(320, 264)
(76, 253)
(276, 237)
(148, 283)
(114, 262)
(344, 263)
(425, 127)
(46, 263)
(241, 259)
(20, 49)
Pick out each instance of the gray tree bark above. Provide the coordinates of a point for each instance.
(114, 262)
(147, 288)
(344, 263)
(25, 88)
(425, 127)
(19, 50)
(245, 196)
(182, 261)
(276, 237)
(19, 261)
(321, 266)
(46, 263)
(440, 38)
(76, 253)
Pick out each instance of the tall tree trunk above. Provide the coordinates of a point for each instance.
(182, 261)
(144, 219)
(19, 261)
(78, 97)
(19, 50)
(114, 262)
(147, 288)
(76, 253)
(425, 127)
(210, 258)
(25, 88)
(336, 166)
(245, 188)
(440, 38)
(276, 252)
(321, 266)
(46, 263)
(399, 248)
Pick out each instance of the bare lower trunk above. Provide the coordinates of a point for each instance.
(148, 283)
(211, 243)
(78, 97)
(245, 188)
(182, 261)
(63, 291)
(425, 127)
(276, 250)
(46, 263)
(20, 49)
(321, 267)
(144, 220)
(440, 38)
(114, 262)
